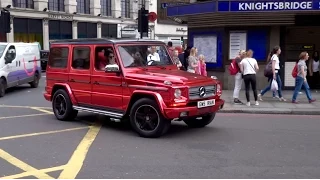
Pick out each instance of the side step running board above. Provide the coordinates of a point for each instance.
(102, 112)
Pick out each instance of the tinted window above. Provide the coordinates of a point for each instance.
(58, 57)
(81, 58)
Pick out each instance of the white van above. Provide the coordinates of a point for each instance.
(19, 64)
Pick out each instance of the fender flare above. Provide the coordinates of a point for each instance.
(157, 97)
(65, 87)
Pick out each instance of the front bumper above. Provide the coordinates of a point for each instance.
(175, 112)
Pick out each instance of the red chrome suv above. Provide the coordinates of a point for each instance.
(133, 80)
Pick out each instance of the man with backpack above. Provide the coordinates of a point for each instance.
(234, 69)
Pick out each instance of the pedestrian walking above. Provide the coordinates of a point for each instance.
(275, 74)
(249, 66)
(301, 79)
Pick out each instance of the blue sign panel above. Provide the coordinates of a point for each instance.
(190, 9)
(288, 5)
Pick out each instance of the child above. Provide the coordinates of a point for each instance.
(202, 65)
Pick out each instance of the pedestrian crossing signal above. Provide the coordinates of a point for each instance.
(5, 22)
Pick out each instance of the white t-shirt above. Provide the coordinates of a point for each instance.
(155, 57)
(249, 65)
(276, 59)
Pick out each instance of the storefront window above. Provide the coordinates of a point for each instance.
(125, 8)
(23, 4)
(60, 30)
(87, 30)
(56, 5)
(109, 30)
(28, 30)
(83, 6)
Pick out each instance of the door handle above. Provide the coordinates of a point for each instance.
(16, 63)
(19, 63)
(72, 80)
(96, 82)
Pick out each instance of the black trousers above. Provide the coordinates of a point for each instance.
(315, 80)
(250, 79)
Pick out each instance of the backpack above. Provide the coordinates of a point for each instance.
(233, 68)
(268, 69)
(295, 71)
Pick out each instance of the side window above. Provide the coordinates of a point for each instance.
(11, 54)
(104, 56)
(81, 58)
(58, 57)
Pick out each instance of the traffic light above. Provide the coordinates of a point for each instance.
(143, 20)
(5, 21)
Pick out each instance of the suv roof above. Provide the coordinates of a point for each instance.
(104, 41)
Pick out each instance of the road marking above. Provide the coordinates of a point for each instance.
(40, 133)
(76, 161)
(28, 115)
(31, 173)
(41, 110)
(22, 165)
(28, 107)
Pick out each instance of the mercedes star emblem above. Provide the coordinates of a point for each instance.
(202, 91)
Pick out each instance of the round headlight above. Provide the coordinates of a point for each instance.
(177, 93)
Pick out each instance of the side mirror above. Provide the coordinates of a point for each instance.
(112, 68)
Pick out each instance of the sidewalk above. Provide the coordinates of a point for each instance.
(271, 105)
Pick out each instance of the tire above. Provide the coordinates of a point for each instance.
(35, 82)
(199, 123)
(2, 87)
(155, 119)
(61, 98)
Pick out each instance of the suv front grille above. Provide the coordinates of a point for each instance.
(194, 92)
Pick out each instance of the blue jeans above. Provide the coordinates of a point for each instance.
(269, 87)
(299, 84)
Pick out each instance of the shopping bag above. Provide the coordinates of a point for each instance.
(274, 85)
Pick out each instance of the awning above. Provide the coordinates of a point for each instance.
(244, 13)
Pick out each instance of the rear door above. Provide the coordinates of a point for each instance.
(79, 76)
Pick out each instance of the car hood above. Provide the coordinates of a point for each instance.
(175, 76)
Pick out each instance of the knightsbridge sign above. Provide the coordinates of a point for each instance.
(295, 5)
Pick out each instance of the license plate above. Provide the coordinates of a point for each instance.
(206, 103)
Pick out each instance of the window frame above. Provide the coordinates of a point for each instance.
(72, 59)
(50, 57)
(60, 5)
(29, 4)
(106, 8)
(125, 12)
(85, 7)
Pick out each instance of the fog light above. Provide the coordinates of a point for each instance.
(183, 114)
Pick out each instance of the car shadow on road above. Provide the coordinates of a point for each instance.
(177, 129)
(12, 91)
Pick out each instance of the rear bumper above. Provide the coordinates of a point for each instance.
(47, 96)
(175, 112)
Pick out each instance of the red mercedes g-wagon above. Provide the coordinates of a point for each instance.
(133, 80)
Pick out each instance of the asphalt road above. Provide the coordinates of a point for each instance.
(33, 144)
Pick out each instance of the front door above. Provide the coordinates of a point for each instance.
(106, 86)
(79, 77)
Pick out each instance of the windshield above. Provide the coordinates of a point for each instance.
(2, 48)
(144, 55)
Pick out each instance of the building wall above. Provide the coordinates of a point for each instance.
(70, 14)
(166, 28)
